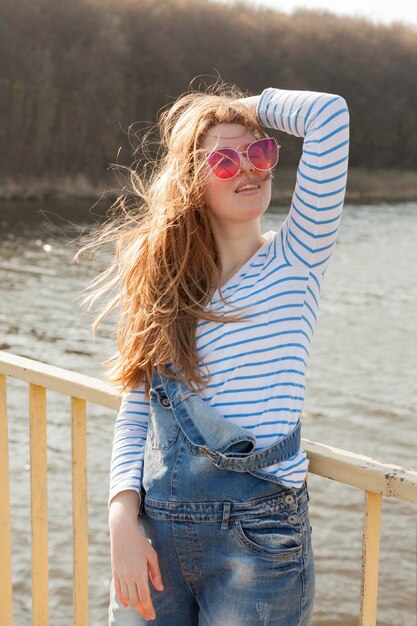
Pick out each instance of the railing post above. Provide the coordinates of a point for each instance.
(372, 476)
(79, 510)
(6, 590)
(370, 558)
(39, 499)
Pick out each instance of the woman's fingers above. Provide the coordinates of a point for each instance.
(143, 590)
(129, 595)
(147, 611)
(118, 589)
(121, 591)
(155, 572)
(145, 598)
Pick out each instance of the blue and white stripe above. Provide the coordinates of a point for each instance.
(258, 366)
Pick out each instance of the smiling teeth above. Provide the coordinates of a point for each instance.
(246, 187)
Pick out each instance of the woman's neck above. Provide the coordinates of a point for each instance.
(230, 264)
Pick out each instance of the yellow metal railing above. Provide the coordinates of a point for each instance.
(5, 539)
(376, 479)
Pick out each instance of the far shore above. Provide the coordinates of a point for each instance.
(364, 186)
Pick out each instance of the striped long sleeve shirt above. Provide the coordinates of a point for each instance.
(258, 365)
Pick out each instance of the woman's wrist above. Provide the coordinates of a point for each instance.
(126, 504)
(250, 103)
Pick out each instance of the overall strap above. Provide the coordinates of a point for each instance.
(228, 445)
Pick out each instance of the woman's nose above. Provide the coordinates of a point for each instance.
(245, 164)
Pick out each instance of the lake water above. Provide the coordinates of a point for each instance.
(361, 395)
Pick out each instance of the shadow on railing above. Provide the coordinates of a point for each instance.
(374, 478)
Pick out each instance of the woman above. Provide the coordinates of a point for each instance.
(208, 492)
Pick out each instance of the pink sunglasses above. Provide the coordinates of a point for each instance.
(262, 154)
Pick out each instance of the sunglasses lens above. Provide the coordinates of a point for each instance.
(225, 163)
(263, 154)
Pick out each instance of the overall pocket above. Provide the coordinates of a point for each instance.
(163, 427)
(278, 535)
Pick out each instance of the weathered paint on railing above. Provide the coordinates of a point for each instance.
(58, 379)
(79, 509)
(5, 538)
(372, 476)
(39, 504)
(361, 471)
(370, 558)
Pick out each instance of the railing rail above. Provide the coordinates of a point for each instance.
(375, 478)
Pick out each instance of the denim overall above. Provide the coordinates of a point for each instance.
(233, 543)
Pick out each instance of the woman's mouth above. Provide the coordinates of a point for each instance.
(248, 189)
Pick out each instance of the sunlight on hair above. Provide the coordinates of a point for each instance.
(164, 269)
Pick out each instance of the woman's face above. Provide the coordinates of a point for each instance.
(244, 197)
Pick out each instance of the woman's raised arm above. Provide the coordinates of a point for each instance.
(310, 229)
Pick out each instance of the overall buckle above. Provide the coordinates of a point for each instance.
(210, 453)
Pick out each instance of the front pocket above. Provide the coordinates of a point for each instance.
(279, 535)
(163, 427)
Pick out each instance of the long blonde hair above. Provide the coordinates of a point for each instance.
(165, 265)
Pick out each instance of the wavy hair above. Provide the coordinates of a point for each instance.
(165, 264)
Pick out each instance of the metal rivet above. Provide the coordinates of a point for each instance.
(292, 519)
(289, 499)
(165, 401)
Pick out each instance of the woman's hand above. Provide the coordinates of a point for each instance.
(250, 103)
(131, 556)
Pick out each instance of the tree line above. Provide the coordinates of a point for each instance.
(75, 75)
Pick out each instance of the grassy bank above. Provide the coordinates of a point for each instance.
(364, 186)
